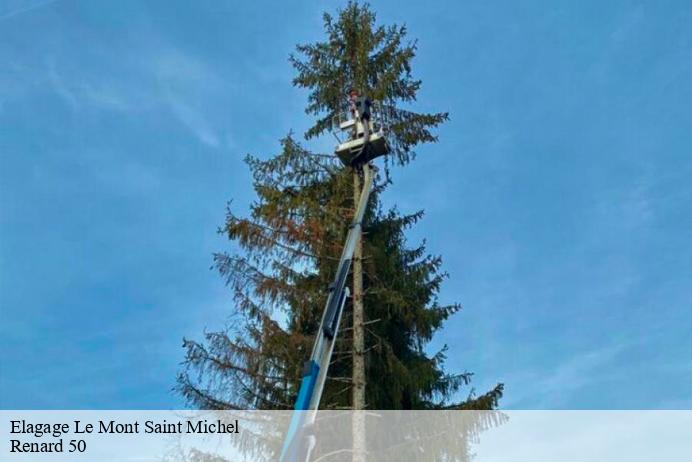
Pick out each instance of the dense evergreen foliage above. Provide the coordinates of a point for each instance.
(292, 239)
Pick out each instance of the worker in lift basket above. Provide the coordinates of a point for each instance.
(360, 110)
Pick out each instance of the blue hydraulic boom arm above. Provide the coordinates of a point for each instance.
(299, 443)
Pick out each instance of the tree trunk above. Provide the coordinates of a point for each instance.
(358, 428)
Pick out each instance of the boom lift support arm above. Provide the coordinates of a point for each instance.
(298, 443)
(367, 140)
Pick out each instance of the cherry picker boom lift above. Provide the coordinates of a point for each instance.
(366, 141)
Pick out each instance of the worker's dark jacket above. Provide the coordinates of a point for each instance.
(363, 106)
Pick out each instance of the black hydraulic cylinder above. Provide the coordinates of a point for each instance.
(335, 297)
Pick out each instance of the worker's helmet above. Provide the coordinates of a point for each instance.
(352, 91)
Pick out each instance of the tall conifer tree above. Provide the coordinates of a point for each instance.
(292, 239)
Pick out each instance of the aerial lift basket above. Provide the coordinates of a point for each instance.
(353, 149)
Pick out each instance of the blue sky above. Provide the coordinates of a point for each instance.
(559, 194)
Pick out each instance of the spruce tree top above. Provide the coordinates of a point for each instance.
(376, 60)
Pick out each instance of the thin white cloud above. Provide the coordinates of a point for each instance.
(165, 78)
(25, 7)
(107, 97)
(551, 388)
(88, 92)
(193, 119)
(61, 88)
(187, 84)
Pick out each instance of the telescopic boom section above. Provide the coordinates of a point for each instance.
(366, 124)
(315, 370)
